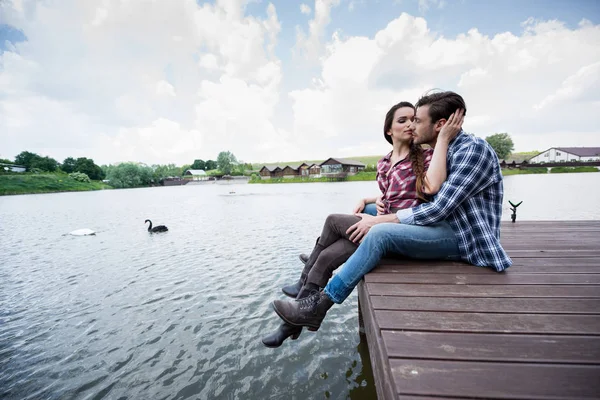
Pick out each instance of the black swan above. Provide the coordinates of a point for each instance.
(159, 228)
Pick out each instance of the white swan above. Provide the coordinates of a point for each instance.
(82, 232)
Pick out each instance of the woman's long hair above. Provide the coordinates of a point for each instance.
(416, 156)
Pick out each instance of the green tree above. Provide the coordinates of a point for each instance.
(33, 160)
(198, 164)
(45, 164)
(226, 161)
(5, 161)
(26, 159)
(210, 164)
(88, 167)
(129, 175)
(502, 144)
(164, 171)
(68, 165)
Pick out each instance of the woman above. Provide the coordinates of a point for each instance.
(406, 176)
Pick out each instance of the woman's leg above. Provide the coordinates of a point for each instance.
(334, 228)
(318, 268)
(436, 241)
(329, 260)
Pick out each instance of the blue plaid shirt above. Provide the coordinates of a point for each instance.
(470, 201)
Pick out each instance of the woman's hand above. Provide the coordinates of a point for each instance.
(453, 126)
(358, 231)
(380, 205)
(359, 207)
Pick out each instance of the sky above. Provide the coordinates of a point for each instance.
(159, 81)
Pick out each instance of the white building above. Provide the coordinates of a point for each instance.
(197, 174)
(567, 154)
(13, 167)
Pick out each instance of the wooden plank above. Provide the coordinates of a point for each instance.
(495, 381)
(489, 305)
(439, 269)
(520, 265)
(416, 290)
(527, 253)
(564, 324)
(493, 279)
(493, 347)
(524, 245)
(377, 352)
(527, 262)
(530, 332)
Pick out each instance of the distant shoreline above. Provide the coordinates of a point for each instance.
(13, 184)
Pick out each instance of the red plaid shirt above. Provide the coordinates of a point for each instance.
(398, 183)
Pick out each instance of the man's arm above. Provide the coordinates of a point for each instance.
(471, 170)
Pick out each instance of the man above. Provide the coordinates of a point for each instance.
(462, 221)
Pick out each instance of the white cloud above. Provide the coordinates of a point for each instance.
(164, 88)
(540, 86)
(425, 5)
(305, 9)
(127, 78)
(310, 45)
(171, 82)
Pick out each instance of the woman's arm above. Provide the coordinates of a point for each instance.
(436, 174)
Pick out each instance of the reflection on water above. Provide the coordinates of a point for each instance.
(127, 315)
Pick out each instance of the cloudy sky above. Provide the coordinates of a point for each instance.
(162, 81)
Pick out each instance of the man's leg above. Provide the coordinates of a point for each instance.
(431, 242)
(426, 242)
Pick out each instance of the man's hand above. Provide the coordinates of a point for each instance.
(358, 231)
(380, 206)
(359, 207)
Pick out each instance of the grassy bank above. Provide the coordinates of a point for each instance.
(44, 183)
(525, 171)
(561, 170)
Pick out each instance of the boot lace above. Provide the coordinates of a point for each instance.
(310, 302)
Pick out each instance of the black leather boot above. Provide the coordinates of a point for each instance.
(309, 311)
(293, 289)
(284, 331)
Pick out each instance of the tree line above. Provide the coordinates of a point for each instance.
(128, 174)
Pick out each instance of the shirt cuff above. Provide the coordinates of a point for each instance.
(406, 216)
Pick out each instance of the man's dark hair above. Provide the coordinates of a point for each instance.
(441, 104)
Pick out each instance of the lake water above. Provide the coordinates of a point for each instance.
(128, 315)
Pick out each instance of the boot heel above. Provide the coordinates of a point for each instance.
(296, 335)
(313, 329)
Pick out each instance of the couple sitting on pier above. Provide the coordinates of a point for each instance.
(424, 212)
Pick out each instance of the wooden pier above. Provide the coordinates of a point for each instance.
(441, 330)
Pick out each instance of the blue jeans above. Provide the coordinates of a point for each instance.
(371, 209)
(432, 242)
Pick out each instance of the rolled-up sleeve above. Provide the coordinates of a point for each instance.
(405, 216)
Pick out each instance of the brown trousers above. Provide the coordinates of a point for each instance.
(337, 248)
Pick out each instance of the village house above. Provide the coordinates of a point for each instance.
(328, 168)
(271, 171)
(314, 170)
(567, 154)
(340, 166)
(295, 170)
